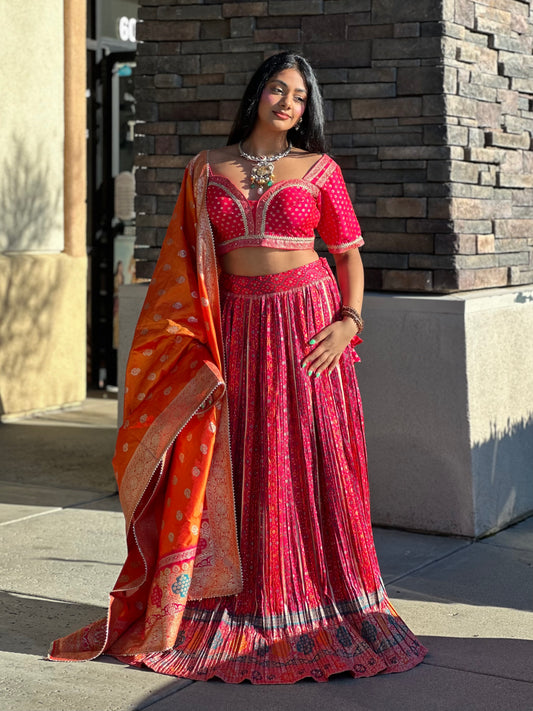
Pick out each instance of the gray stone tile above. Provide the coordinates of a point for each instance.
(477, 575)
(469, 603)
(58, 455)
(425, 688)
(30, 683)
(473, 610)
(486, 640)
(11, 512)
(494, 656)
(18, 500)
(107, 503)
(29, 624)
(97, 412)
(401, 552)
(72, 554)
(518, 536)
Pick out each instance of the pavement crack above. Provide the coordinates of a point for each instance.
(161, 695)
(429, 563)
(506, 547)
(475, 671)
(29, 596)
(80, 504)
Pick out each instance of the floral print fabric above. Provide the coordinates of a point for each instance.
(313, 602)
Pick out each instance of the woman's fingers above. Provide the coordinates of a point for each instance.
(321, 357)
(318, 364)
(320, 336)
(318, 347)
(334, 363)
(328, 346)
(323, 367)
(313, 359)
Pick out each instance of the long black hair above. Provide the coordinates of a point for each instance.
(310, 135)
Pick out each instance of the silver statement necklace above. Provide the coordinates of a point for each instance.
(262, 175)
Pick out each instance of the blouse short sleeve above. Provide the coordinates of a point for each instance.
(338, 225)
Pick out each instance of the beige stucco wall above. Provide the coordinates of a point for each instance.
(42, 332)
(31, 126)
(42, 288)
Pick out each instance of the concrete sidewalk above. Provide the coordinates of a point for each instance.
(63, 544)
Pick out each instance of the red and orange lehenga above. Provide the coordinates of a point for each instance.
(243, 479)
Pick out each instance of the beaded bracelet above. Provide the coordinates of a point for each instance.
(355, 316)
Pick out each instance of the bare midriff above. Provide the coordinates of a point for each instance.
(258, 261)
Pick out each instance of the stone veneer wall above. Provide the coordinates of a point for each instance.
(488, 70)
(429, 115)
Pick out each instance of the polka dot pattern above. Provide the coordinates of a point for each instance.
(287, 214)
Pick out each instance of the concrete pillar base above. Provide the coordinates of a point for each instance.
(447, 387)
(131, 298)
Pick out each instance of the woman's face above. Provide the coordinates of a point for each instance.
(283, 100)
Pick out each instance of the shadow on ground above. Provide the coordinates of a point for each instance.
(58, 456)
(428, 687)
(29, 624)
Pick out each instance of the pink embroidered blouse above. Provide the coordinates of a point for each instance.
(287, 214)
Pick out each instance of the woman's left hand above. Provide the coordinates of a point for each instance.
(329, 344)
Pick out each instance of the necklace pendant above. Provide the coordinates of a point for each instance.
(262, 173)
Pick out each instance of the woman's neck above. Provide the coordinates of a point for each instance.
(265, 145)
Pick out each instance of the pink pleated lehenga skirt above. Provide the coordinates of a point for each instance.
(313, 602)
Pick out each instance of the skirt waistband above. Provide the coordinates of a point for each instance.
(282, 281)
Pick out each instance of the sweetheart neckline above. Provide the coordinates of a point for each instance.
(254, 205)
(277, 183)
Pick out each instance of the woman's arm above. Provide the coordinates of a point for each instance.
(351, 278)
(331, 342)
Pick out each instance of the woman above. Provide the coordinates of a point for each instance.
(241, 462)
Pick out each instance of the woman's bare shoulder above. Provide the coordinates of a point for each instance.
(224, 154)
(305, 159)
(303, 153)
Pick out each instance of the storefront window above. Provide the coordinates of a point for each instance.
(111, 48)
(118, 19)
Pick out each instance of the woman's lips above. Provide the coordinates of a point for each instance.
(281, 115)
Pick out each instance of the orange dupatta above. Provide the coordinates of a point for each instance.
(172, 459)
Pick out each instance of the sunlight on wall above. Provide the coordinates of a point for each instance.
(32, 127)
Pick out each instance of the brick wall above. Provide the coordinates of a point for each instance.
(428, 108)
